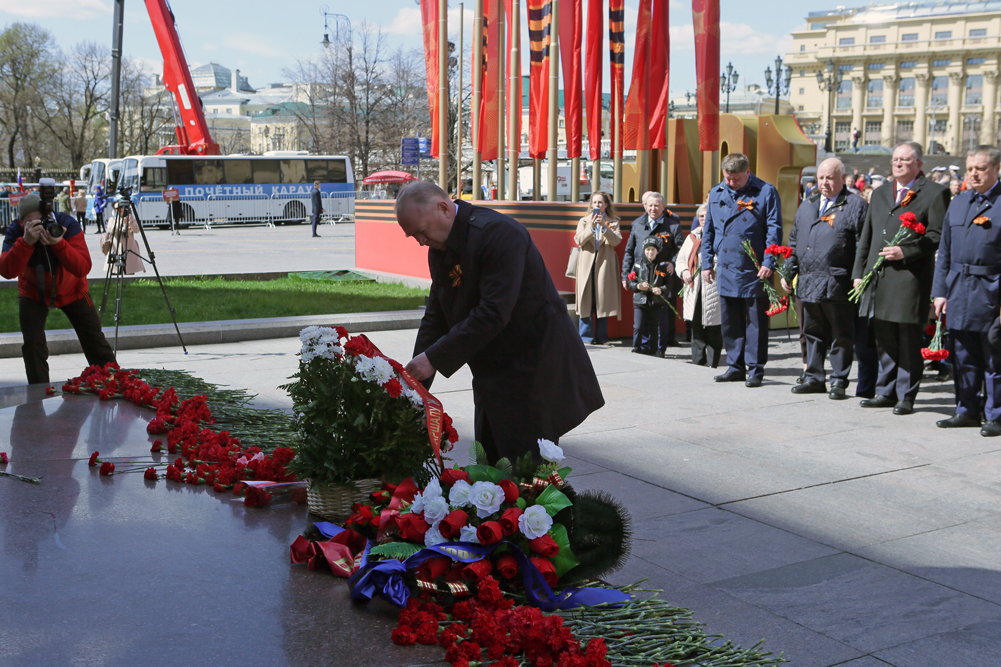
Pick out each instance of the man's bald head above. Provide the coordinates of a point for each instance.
(425, 213)
(831, 177)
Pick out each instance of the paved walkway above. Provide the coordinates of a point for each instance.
(839, 535)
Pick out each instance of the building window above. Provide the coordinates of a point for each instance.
(846, 41)
(906, 98)
(974, 89)
(943, 34)
(909, 37)
(845, 95)
(877, 39)
(802, 72)
(873, 132)
(941, 63)
(978, 32)
(877, 65)
(936, 135)
(229, 110)
(940, 91)
(905, 130)
(842, 136)
(875, 98)
(976, 61)
(846, 68)
(908, 64)
(802, 47)
(802, 91)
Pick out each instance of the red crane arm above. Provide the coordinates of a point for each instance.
(193, 135)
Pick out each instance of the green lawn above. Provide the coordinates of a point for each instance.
(202, 300)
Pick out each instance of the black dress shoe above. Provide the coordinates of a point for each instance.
(801, 379)
(753, 381)
(316, 236)
(903, 408)
(659, 353)
(730, 376)
(958, 421)
(810, 388)
(877, 402)
(837, 394)
(991, 428)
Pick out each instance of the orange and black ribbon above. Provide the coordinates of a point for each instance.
(540, 14)
(907, 198)
(981, 220)
(743, 205)
(617, 60)
(829, 218)
(456, 275)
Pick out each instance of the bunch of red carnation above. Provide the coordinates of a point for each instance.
(936, 350)
(779, 250)
(779, 307)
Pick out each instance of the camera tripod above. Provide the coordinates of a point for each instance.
(119, 227)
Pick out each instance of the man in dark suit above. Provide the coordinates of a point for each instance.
(742, 207)
(657, 221)
(823, 239)
(493, 306)
(317, 206)
(898, 298)
(966, 290)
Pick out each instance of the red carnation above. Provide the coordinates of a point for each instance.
(393, 387)
(3, 458)
(451, 476)
(360, 346)
(403, 637)
(256, 497)
(453, 523)
(107, 468)
(509, 520)
(934, 355)
(544, 546)
(910, 221)
(632, 275)
(412, 528)
(507, 565)
(151, 474)
(545, 567)
(510, 490)
(489, 532)
(93, 459)
(341, 332)
(157, 444)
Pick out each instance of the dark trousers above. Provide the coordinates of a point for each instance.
(316, 221)
(645, 325)
(81, 217)
(900, 363)
(86, 322)
(99, 220)
(975, 361)
(798, 304)
(512, 451)
(866, 358)
(745, 333)
(707, 341)
(829, 325)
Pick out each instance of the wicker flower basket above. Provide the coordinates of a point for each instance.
(333, 501)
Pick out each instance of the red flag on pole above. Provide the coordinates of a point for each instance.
(489, 99)
(571, 36)
(660, 61)
(539, 23)
(429, 20)
(617, 59)
(637, 120)
(515, 138)
(592, 74)
(705, 14)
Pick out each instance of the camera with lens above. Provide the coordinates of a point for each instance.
(47, 195)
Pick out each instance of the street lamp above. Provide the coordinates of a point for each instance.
(974, 121)
(338, 20)
(728, 83)
(831, 85)
(781, 86)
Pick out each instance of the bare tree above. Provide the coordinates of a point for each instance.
(146, 122)
(26, 55)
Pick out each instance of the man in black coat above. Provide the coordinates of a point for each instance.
(657, 221)
(493, 306)
(897, 300)
(966, 290)
(317, 206)
(823, 238)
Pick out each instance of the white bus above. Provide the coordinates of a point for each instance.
(274, 187)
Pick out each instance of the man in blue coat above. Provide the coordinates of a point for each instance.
(967, 274)
(742, 207)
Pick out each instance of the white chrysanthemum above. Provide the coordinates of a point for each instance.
(435, 509)
(413, 397)
(486, 497)
(459, 495)
(363, 366)
(382, 371)
(308, 334)
(308, 354)
(535, 522)
(550, 451)
(433, 536)
(468, 534)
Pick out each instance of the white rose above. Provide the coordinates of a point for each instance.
(417, 506)
(433, 536)
(459, 495)
(535, 522)
(486, 497)
(435, 509)
(550, 450)
(468, 534)
(432, 490)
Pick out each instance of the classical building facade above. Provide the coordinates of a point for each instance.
(926, 72)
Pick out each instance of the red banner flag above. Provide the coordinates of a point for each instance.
(489, 97)
(660, 61)
(705, 14)
(539, 25)
(592, 75)
(429, 20)
(571, 36)
(515, 138)
(637, 119)
(617, 59)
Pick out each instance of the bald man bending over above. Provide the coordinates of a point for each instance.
(493, 306)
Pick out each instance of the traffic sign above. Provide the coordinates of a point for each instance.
(171, 194)
(410, 153)
(410, 141)
(410, 161)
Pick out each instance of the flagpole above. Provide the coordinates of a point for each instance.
(458, 107)
(616, 142)
(514, 139)
(501, 40)
(477, 96)
(443, 94)
(554, 93)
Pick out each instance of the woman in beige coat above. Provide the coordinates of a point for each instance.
(598, 293)
(701, 301)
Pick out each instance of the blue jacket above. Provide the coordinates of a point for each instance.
(968, 267)
(668, 229)
(727, 226)
(99, 200)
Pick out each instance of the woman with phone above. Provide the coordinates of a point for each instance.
(598, 293)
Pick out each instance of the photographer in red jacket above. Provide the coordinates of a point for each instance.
(51, 262)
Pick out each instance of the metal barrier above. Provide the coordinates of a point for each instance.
(8, 214)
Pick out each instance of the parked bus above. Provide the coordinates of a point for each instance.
(274, 187)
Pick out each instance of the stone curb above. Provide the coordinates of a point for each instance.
(64, 341)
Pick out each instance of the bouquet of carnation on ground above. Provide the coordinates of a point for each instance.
(935, 351)
(910, 229)
(776, 304)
